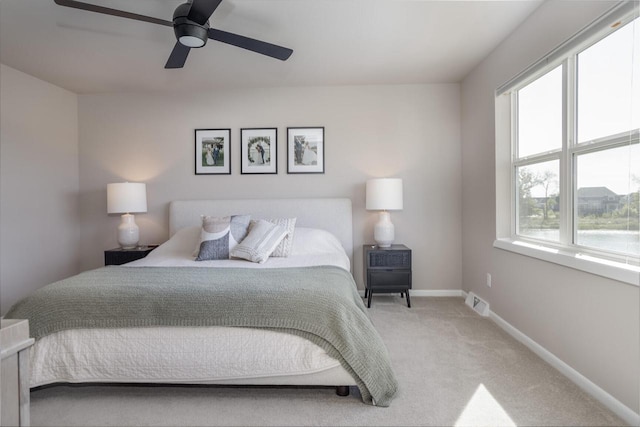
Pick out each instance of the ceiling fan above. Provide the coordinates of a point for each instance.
(191, 27)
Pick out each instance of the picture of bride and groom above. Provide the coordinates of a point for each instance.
(305, 147)
(259, 151)
(213, 152)
(306, 153)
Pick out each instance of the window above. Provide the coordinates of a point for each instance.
(538, 113)
(575, 144)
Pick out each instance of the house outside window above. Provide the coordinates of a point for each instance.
(574, 137)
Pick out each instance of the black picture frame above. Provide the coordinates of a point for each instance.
(305, 150)
(211, 147)
(253, 161)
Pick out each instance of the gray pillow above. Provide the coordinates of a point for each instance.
(219, 235)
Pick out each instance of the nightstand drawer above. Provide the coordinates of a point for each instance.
(389, 280)
(389, 259)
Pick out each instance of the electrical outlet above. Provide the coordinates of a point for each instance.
(488, 280)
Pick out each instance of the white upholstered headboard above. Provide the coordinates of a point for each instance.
(333, 215)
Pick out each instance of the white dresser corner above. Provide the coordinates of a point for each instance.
(14, 372)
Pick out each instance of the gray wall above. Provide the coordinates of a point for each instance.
(589, 322)
(406, 131)
(38, 185)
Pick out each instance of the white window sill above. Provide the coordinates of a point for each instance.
(606, 268)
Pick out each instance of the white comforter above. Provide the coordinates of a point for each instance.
(194, 355)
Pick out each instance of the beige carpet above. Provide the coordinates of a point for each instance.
(454, 368)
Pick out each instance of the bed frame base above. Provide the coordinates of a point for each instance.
(342, 390)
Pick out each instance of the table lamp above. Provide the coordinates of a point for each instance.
(127, 198)
(384, 194)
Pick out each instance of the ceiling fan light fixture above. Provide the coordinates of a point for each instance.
(190, 34)
(191, 41)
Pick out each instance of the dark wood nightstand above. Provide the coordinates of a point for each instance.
(387, 270)
(120, 256)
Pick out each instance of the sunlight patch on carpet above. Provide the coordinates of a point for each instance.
(483, 410)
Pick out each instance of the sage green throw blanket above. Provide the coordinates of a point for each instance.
(320, 304)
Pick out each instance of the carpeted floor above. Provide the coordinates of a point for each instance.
(454, 368)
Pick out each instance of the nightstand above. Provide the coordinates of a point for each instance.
(387, 270)
(120, 256)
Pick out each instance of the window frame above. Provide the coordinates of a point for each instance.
(616, 265)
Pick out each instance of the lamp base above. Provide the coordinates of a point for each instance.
(128, 232)
(384, 231)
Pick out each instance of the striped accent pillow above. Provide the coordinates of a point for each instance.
(284, 247)
(261, 241)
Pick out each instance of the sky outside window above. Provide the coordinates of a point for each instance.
(540, 115)
(608, 88)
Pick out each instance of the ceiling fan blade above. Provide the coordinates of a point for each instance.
(264, 48)
(114, 12)
(201, 10)
(178, 56)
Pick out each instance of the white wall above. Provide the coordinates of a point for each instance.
(589, 322)
(411, 132)
(38, 184)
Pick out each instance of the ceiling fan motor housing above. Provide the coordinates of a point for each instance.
(189, 33)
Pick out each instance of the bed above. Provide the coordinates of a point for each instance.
(233, 348)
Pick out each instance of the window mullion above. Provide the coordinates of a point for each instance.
(568, 141)
(620, 140)
(514, 156)
(545, 157)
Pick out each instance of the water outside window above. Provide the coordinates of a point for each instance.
(607, 197)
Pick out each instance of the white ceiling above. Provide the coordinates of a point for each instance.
(335, 42)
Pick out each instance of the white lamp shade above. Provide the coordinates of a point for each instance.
(384, 194)
(126, 197)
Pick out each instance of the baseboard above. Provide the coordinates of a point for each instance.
(617, 407)
(430, 293)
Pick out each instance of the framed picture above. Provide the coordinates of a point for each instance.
(305, 150)
(259, 150)
(213, 151)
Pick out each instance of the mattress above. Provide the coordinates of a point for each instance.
(203, 355)
(215, 355)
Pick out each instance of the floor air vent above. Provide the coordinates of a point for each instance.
(478, 304)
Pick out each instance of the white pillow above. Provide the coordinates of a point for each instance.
(260, 242)
(310, 241)
(284, 247)
(180, 244)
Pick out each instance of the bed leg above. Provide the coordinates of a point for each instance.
(342, 390)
